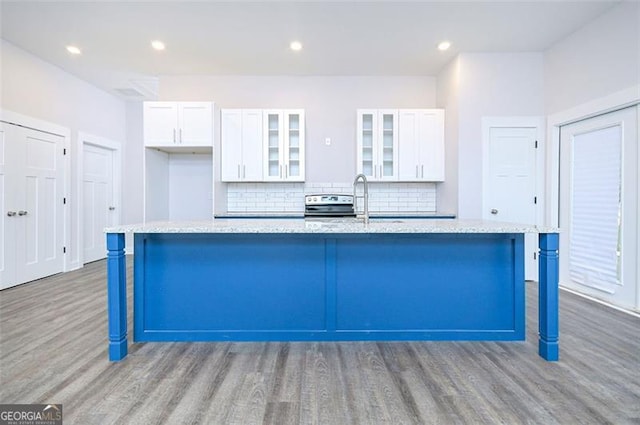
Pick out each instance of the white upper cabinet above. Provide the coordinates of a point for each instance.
(241, 145)
(178, 124)
(421, 145)
(377, 144)
(283, 139)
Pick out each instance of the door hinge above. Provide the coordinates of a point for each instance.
(64, 151)
(64, 201)
(64, 249)
(536, 144)
(535, 199)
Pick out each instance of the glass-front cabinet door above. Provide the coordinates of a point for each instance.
(367, 124)
(388, 149)
(294, 144)
(284, 145)
(273, 140)
(377, 142)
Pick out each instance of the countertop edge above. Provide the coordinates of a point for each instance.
(296, 226)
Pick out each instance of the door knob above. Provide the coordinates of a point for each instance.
(112, 208)
(21, 213)
(11, 213)
(494, 211)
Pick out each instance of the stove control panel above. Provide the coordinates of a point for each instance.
(327, 199)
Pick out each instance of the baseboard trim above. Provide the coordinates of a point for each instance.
(599, 301)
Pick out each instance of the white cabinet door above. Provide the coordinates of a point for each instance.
(421, 145)
(178, 124)
(408, 145)
(241, 145)
(195, 120)
(231, 139)
(252, 145)
(160, 123)
(377, 142)
(431, 130)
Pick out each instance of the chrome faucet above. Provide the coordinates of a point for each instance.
(365, 216)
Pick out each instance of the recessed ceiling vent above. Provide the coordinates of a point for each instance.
(129, 92)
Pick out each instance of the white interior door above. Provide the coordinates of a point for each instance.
(39, 202)
(7, 208)
(98, 206)
(510, 195)
(599, 207)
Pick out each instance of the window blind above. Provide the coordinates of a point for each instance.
(594, 251)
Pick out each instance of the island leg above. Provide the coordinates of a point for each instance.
(117, 296)
(548, 297)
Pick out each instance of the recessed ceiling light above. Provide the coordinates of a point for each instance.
(296, 46)
(74, 50)
(158, 45)
(444, 45)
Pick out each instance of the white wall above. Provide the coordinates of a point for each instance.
(477, 85)
(330, 105)
(40, 90)
(599, 59)
(133, 170)
(448, 84)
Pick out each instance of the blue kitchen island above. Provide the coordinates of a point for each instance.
(297, 280)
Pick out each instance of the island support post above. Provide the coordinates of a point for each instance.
(548, 305)
(117, 296)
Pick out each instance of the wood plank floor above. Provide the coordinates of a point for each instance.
(53, 349)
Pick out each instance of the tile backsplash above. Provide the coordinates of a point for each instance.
(289, 197)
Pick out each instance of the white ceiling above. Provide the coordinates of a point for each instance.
(252, 38)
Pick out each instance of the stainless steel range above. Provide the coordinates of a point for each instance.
(329, 205)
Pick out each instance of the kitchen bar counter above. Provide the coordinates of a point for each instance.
(328, 225)
(321, 280)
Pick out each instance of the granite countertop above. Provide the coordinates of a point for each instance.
(335, 226)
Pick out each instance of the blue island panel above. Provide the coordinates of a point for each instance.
(185, 284)
(453, 286)
(328, 287)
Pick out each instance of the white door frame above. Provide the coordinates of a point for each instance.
(613, 102)
(507, 122)
(116, 148)
(14, 118)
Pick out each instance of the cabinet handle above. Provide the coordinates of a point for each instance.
(21, 213)
(244, 171)
(281, 171)
(174, 135)
(381, 172)
(112, 208)
(416, 171)
(11, 213)
(286, 171)
(180, 135)
(238, 170)
(423, 171)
